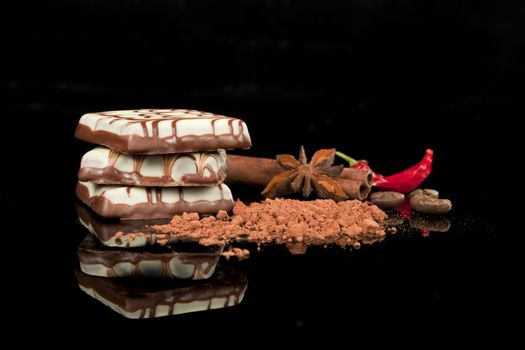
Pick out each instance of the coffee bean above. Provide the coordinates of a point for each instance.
(431, 193)
(387, 199)
(430, 205)
(427, 192)
(419, 191)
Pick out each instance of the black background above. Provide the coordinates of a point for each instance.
(380, 80)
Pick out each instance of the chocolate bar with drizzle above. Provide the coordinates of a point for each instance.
(161, 131)
(108, 167)
(136, 203)
(157, 298)
(181, 260)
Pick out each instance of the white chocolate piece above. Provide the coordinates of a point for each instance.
(104, 166)
(128, 202)
(161, 131)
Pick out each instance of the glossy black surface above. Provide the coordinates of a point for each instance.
(377, 80)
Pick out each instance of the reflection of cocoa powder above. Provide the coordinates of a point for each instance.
(239, 253)
(318, 222)
(297, 248)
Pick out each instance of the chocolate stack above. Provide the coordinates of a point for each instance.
(157, 162)
(150, 165)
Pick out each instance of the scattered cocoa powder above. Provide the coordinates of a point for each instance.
(317, 222)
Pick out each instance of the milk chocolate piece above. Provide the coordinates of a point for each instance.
(108, 167)
(183, 260)
(160, 131)
(125, 234)
(135, 299)
(135, 203)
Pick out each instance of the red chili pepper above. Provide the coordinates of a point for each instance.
(409, 179)
(364, 166)
(361, 165)
(404, 181)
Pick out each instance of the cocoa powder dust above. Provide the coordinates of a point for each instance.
(286, 221)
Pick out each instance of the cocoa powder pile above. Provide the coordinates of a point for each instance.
(317, 222)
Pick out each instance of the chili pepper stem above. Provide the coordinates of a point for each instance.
(351, 161)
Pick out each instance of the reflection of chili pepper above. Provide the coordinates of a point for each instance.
(404, 181)
(424, 233)
(404, 209)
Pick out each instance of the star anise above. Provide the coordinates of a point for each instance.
(300, 176)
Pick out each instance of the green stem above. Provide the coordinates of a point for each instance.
(351, 161)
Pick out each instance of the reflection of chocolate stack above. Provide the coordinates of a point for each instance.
(133, 299)
(151, 165)
(116, 233)
(115, 248)
(182, 260)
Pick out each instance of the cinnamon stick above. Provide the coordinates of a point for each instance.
(354, 189)
(255, 171)
(251, 171)
(357, 174)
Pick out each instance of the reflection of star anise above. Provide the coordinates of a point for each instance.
(300, 176)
